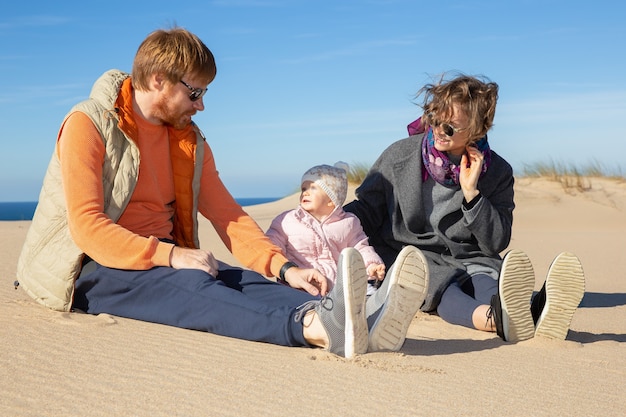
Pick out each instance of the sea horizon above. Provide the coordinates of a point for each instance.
(24, 210)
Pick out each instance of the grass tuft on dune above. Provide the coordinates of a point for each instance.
(570, 176)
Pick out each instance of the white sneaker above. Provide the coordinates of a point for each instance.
(392, 307)
(515, 289)
(342, 311)
(564, 289)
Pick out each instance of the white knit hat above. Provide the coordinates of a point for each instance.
(332, 179)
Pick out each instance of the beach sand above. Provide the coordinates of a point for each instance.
(72, 364)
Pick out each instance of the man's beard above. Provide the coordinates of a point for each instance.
(169, 116)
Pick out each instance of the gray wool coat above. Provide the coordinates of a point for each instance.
(397, 208)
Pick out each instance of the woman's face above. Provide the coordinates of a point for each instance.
(457, 125)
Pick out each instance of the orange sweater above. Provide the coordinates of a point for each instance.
(133, 242)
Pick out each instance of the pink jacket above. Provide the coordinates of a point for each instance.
(311, 244)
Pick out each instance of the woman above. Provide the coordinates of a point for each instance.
(444, 191)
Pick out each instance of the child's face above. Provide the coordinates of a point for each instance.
(315, 200)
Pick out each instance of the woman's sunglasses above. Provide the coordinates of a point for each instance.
(196, 93)
(447, 128)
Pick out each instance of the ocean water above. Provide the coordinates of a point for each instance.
(24, 210)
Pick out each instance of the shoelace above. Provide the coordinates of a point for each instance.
(303, 308)
(490, 319)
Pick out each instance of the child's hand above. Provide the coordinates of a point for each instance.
(376, 271)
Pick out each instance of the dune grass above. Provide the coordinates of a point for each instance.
(554, 169)
(357, 173)
(571, 176)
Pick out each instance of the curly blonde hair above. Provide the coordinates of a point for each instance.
(476, 95)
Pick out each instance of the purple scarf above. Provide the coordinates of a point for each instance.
(436, 163)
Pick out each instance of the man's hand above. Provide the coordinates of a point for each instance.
(186, 258)
(309, 280)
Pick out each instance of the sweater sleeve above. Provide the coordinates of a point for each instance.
(81, 152)
(240, 233)
(490, 219)
(372, 197)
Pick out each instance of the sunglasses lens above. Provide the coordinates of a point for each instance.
(196, 94)
(447, 129)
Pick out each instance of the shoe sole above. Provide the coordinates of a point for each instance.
(515, 286)
(354, 290)
(565, 287)
(406, 293)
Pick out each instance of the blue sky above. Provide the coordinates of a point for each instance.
(302, 83)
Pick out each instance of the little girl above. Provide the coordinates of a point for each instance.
(313, 234)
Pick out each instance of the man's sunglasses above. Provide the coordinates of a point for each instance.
(196, 93)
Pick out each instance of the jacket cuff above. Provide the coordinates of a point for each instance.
(470, 205)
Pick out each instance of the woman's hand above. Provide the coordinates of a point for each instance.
(471, 167)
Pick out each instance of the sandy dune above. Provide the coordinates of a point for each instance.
(70, 364)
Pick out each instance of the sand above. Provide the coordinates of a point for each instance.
(72, 364)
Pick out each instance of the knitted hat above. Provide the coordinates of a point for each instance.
(332, 179)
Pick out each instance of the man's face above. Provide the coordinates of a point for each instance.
(174, 106)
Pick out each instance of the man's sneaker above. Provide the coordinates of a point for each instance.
(564, 289)
(342, 311)
(510, 308)
(392, 307)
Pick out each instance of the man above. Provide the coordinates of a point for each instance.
(115, 230)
